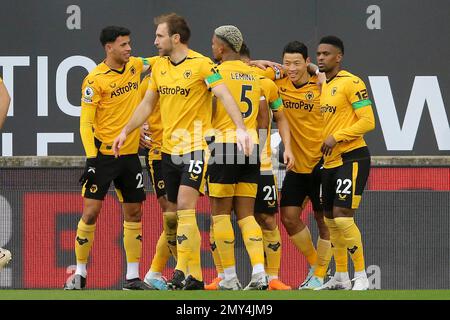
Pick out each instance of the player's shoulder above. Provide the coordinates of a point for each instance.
(96, 74)
(134, 60)
(195, 56)
(266, 82)
(347, 76)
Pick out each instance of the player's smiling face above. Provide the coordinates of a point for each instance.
(295, 66)
(120, 50)
(328, 56)
(163, 40)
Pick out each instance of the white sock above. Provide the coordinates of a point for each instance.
(132, 270)
(81, 269)
(258, 268)
(230, 273)
(361, 274)
(341, 276)
(154, 275)
(221, 275)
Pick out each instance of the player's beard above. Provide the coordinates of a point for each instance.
(167, 51)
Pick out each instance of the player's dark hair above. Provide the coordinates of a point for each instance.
(176, 24)
(245, 51)
(296, 47)
(334, 41)
(111, 33)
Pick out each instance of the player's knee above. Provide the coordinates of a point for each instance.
(170, 218)
(91, 210)
(289, 221)
(163, 203)
(266, 221)
(185, 204)
(133, 212)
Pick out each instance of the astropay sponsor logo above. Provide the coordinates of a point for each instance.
(174, 91)
(127, 88)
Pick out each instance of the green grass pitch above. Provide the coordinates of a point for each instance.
(8, 294)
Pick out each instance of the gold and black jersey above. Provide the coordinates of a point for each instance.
(302, 109)
(154, 124)
(245, 87)
(112, 95)
(348, 114)
(185, 101)
(275, 104)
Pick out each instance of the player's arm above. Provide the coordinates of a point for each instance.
(362, 106)
(5, 100)
(140, 115)
(148, 62)
(145, 138)
(314, 70)
(89, 102)
(87, 131)
(90, 99)
(268, 69)
(264, 64)
(365, 123)
(276, 105)
(285, 133)
(263, 121)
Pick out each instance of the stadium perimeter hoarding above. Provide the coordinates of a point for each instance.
(403, 218)
(399, 48)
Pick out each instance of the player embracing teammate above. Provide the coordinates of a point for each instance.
(325, 124)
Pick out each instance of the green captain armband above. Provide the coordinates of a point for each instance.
(276, 104)
(361, 103)
(213, 78)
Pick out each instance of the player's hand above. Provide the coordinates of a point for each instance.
(244, 141)
(289, 159)
(328, 145)
(145, 138)
(321, 79)
(264, 64)
(88, 176)
(118, 143)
